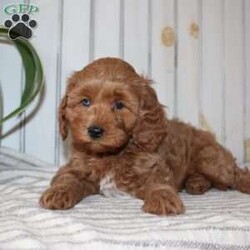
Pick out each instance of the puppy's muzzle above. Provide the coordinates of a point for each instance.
(95, 132)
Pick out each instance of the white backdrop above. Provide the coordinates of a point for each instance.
(197, 52)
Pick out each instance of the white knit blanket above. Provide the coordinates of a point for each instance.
(216, 220)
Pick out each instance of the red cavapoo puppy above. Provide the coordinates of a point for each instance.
(123, 142)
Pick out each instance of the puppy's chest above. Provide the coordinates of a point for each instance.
(109, 188)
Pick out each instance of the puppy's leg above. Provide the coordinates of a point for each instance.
(68, 187)
(158, 188)
(162, 200)
(218, 166)
(242, 180)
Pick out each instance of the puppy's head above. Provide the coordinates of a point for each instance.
(108, 105)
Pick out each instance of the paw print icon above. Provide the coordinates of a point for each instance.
(20, 26)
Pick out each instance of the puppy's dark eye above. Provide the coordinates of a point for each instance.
(85, 102)
(118, 105)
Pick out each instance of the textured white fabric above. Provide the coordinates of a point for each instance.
(216, 220)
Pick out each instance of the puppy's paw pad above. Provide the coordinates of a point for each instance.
(58, 197)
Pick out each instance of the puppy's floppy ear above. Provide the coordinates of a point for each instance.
(63, 125)
(151, 125)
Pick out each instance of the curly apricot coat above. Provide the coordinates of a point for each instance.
(122, 141)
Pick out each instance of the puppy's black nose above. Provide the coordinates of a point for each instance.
(95, 132)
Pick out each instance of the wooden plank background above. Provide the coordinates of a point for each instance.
(196, 53)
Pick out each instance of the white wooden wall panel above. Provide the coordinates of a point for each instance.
(162, 65)
(234, 70)
(75, 54)
(188, 61)
(11, 89)
(136, 34)
(11, 81)
(247, 80)
(75, 46)
(203, 77)
(106, 38)
(211, 86)
(40, 130)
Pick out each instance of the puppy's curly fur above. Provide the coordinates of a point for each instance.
(141, 151)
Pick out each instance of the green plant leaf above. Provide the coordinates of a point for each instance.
(33, 73)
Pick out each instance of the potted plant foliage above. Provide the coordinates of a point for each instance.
(33, 74)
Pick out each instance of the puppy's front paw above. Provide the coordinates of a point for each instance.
(59, 197)
(163, 203)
